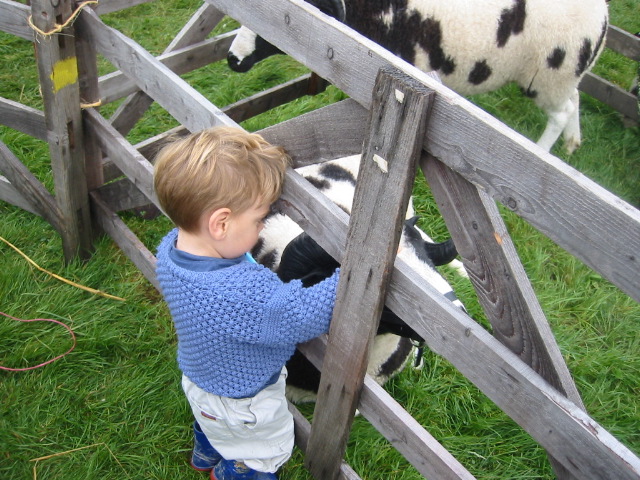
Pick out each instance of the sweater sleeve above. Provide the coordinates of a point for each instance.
(295, 314)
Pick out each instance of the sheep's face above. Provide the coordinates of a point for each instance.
(247, 49)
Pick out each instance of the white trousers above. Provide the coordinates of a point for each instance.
(257, 431)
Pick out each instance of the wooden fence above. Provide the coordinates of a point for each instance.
(469, 159)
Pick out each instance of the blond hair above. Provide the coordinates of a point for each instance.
(216, 168)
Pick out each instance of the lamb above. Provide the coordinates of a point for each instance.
(545, 46)
(286, 249)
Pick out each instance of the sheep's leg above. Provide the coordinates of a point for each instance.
(571, 132)
(561, 120)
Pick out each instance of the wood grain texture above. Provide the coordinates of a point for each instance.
(22, 118)
(502, 285)
(582, 445)
(116, 85)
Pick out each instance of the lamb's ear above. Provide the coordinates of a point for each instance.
(305, 260)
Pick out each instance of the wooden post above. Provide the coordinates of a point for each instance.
(89, 98)
(58, 71)
(397, 126)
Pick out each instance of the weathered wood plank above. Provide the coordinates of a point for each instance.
(13, 19)
(330, 132)
(601, 230)
(30, 189)
(494, 268)
(583, 446)
(116, 85)
(58, 72)
(423, 451)
(396, 128)
(610, 94)
(502, 285)
(196, 30)
(22, 118)
(307, 84)
(9, 194)
(623, 42)
(182, 101)
(128, 242)
(344, 134)
(119, 150)
(202, 22)
(122, 195)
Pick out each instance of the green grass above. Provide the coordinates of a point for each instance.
(116, 397)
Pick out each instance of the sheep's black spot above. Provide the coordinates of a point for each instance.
(584, 56)
(592, 59)
(337, 173)
(430, 41)
(480, 72)
(511, 22)
(529, 92)
(319, 183)
(397, 358)
(556, 59)
(269, 260)
(399, 36)
(257, 248)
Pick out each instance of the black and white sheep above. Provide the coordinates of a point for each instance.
(545, 46)
(286, 249)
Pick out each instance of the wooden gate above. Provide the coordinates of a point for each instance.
(469, 159)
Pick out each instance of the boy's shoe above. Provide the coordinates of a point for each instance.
(204, 456)
(234, 470)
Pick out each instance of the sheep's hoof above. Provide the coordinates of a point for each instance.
(571, 144)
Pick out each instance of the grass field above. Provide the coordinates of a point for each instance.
(113, 408)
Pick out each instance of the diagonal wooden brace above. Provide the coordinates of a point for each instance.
(29, 189)
(501, 283)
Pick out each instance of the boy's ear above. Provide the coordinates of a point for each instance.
(219, 223)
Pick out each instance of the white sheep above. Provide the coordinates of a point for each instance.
(545, 46)
(284, 248)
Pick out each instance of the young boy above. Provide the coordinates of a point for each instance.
(237, 323)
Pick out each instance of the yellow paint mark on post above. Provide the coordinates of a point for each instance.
(65, 72)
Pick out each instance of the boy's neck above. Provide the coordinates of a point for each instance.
(195, 244)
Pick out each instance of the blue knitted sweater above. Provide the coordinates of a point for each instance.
(237, 326)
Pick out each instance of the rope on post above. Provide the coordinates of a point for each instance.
(59, 27)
